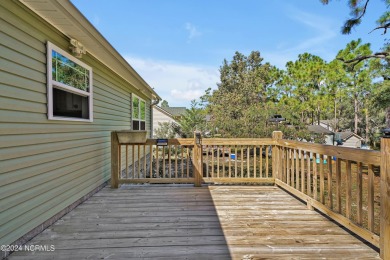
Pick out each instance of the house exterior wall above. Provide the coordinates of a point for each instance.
(160, 117)
(352, 142)
(47, 165)
(329, 139)
(326, 126)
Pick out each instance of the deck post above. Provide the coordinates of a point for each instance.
(197, 159)
(276, 156)
(385, 198)
(114, 160)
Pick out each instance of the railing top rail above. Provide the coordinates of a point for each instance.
(174, 141)
(352, 154)
(238, 141)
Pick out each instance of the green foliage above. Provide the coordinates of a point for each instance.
(247, 96)
(167, 130)
(164, 103)
(359, 77)
(68, 72)
(358, 9)
(193, 120)
(305, 77)
(381, 95)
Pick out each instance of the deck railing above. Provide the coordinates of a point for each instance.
(343, 183)
(152, 163)
(351, 186)
(237, 160)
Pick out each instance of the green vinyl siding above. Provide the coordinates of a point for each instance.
(46, 165)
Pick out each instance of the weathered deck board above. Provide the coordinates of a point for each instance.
(183, 222)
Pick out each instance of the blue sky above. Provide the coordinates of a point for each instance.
(177, 46)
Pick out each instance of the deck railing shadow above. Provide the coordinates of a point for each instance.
(351, 186)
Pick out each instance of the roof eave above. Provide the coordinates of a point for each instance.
(76, 25)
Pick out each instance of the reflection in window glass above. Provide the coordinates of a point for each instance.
(135, 108)
(142, 110)
(138, 113)
(68, 72)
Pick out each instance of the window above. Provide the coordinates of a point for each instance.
(139, 113)
(69, 87)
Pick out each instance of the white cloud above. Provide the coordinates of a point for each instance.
(175, 82)
(193, 32)
(321, 25)
(187, 95)
(323, 32)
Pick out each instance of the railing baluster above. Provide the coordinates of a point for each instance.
(261, 162)
(218, 155)
(182, 162)
(188, 162)
(176, 155)
(303, 171)
(370, 198)
(308, 179)
(133, 160)
(254, 161)
(288, 180)
(285, 167)
(293, 180)
(207, 161)
(248, 168)
(157, 162)
(322, 180)
(144, 156)
(359, 197)
(127, 161)
(212, 162)
(230, 162)
(315, 177)
(338, 185)
(151, 161)
(223, 161)
(235, 161)
(266, 162)
(330, 193)
(242, 161)
(348, 199)
(120, 160)
(163, 160)
(139, 160)
(297, 169)
(169, 162)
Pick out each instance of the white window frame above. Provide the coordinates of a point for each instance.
(51, 83)
(139, 112)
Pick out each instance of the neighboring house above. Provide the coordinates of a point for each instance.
(161, 115)
(176, 112)
(320, 130)
(63, 89)
(349, 139)
(329, 124)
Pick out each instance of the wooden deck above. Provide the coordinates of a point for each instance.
(183, 222)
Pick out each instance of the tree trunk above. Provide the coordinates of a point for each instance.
(367, 126)
(319, 115)
(312, 117)
(336, 128)
(356, 108)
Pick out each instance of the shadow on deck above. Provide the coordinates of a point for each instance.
(183, 222)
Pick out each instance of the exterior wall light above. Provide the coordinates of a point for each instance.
(77, 48)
